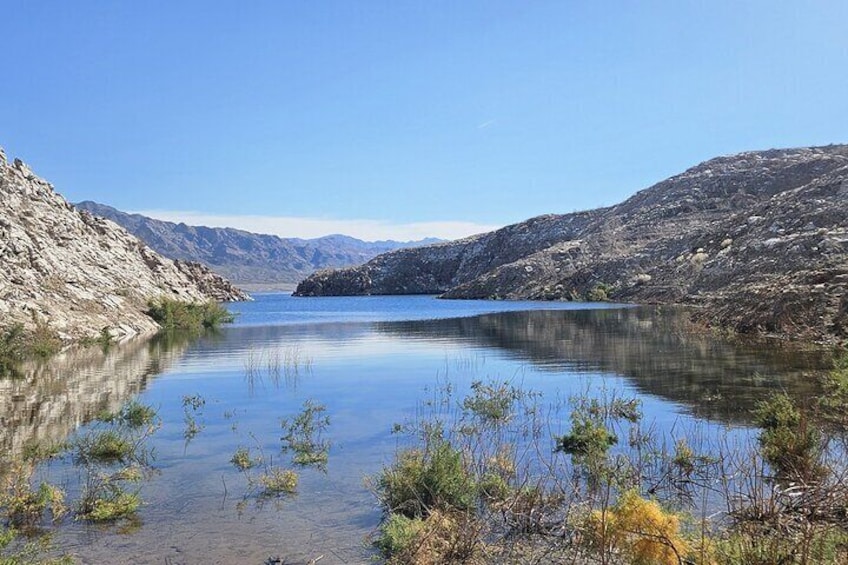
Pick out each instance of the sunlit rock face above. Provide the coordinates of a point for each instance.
(78, 273)
(759, 240)
(45, 402)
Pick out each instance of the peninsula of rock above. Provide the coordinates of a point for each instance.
(757, 241)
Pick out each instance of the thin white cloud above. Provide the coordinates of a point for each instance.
(307, 228)
(486, 124)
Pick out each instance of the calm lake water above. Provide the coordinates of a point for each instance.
(371, 361)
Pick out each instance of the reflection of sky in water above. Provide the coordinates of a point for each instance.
(371, 375)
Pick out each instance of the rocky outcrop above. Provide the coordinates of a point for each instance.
(248, 258)
(79, 273)
(759, 240)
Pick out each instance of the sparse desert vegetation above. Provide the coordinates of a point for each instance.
(485, 479)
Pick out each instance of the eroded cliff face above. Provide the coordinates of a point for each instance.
(78, 273)
(759, 240)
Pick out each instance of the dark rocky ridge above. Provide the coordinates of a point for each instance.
(79, 273)
(759, 240)
(244, 257)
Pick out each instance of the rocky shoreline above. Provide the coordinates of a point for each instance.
(78, 274)
(757, 242)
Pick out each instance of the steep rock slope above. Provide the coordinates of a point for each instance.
(759, 239)
(79, 273)
(245, 257)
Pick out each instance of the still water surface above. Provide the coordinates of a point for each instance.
(371, 361)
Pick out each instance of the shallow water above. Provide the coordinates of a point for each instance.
(371, 361)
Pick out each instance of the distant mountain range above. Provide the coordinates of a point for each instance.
(248, 259)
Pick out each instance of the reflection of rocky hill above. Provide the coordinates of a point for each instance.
(49, 401)
(656, 350)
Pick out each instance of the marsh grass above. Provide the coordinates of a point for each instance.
(303, 440)
(192, 412)
(303, 436)
(276, 366)
(112, 458)
(105, 497)
(115, 459)
(491, 470)
(15, 550)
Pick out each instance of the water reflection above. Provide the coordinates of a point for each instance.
(370, 375)
(45, 402)
(656, 349)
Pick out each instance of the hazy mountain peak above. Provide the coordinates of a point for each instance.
(245, 257)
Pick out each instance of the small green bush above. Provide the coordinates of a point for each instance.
(492, 403)
(788, 441)
(420, 481)
(303, 436)
(24, 506)
(190, 316)
(105, 446)
(114, 506)
(133, 414)
(242, 460)
(599, 293)
(398, 535)
(278, 481)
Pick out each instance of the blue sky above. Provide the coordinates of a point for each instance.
(404, 119)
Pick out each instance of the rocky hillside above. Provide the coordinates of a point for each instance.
(78, 273)
(247, 258)
(759, 240)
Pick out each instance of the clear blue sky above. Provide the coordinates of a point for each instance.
(484, 112)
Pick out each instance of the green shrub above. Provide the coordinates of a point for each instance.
(133, 414)
(43, 341)
(278, 481)
(12, 346)
(304, 436)
(105, 499)
(420, 481)
(115, 505)
(242, 460)
(24, 506)
(30, 552)
(821, 544)
(191, 316)
(105, 446)
(441, 537)
(599, 293)
(492, 403)
(788, 441)
(399, 535)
